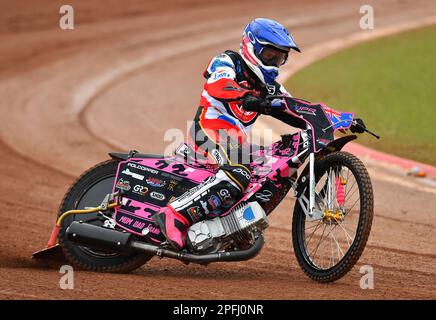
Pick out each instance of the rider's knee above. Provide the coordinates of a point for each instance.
(237, 175)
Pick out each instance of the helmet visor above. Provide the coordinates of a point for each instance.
(273, 57)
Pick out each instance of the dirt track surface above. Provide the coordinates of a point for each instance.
(117, 82)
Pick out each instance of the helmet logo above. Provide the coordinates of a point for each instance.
(271, 89)
(251, 37)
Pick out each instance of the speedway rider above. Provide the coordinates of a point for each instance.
(231, 101)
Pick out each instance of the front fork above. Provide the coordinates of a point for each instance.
(314, 213)
(312, 184)
(311, 211)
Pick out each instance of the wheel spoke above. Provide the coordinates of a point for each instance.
(340, 252)
(347, 235)
(320, 240)
(346, 185)
(315, 225)
(316, 228)
(349, 210)
(332, 262)
(354, 192)
(351, 188)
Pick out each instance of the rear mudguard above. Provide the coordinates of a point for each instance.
(131, 154)
(335, 145)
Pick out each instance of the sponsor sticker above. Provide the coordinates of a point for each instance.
(193, 190)
(141, 167)
(225, 195)
(171, 185)
(141, 190)
(127, 172)
(221, 74)
(264, 195)
(194, 212)
(306, 110)
(123, 184)
(323, 142)
(214, 202)
(217, 156)
(154, 182)
(157, 195)
(248, 214)
(242, 172)
(204, 205)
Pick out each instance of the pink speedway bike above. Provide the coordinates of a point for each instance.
(104, 222)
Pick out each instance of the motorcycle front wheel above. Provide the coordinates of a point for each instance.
(326, 249)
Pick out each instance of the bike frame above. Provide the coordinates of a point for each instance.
(271, 175)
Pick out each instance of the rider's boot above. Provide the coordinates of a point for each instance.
(173, 226)
(216, 192)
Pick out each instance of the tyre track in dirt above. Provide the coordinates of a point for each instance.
(32, 191)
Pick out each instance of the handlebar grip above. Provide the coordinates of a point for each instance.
(274, 96)
(276, 104)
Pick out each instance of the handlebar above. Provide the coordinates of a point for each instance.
(366, 130)
(269, 99)
(275, 104)
(274, 96)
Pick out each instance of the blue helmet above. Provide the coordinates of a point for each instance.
(265, 47)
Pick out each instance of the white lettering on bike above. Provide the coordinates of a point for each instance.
(140, 189)
(217, 156)
(157, 195)
(225, 194)
(140, 167)
(264, 196)
(127, 172)
(190, 192)
(242, 172)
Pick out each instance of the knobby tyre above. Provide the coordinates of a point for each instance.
(340, 163)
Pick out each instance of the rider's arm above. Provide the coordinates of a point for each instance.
(221, 75)
(288, 119)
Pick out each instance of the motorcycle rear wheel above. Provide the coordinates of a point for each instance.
(345, 166)
(88, 191)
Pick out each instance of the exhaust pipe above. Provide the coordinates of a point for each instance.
(99, 238)
(120, 241)
(239, 255)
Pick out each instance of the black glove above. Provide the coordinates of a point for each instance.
(358, 126)
(256, 104)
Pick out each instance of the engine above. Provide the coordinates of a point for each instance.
(238, 226)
